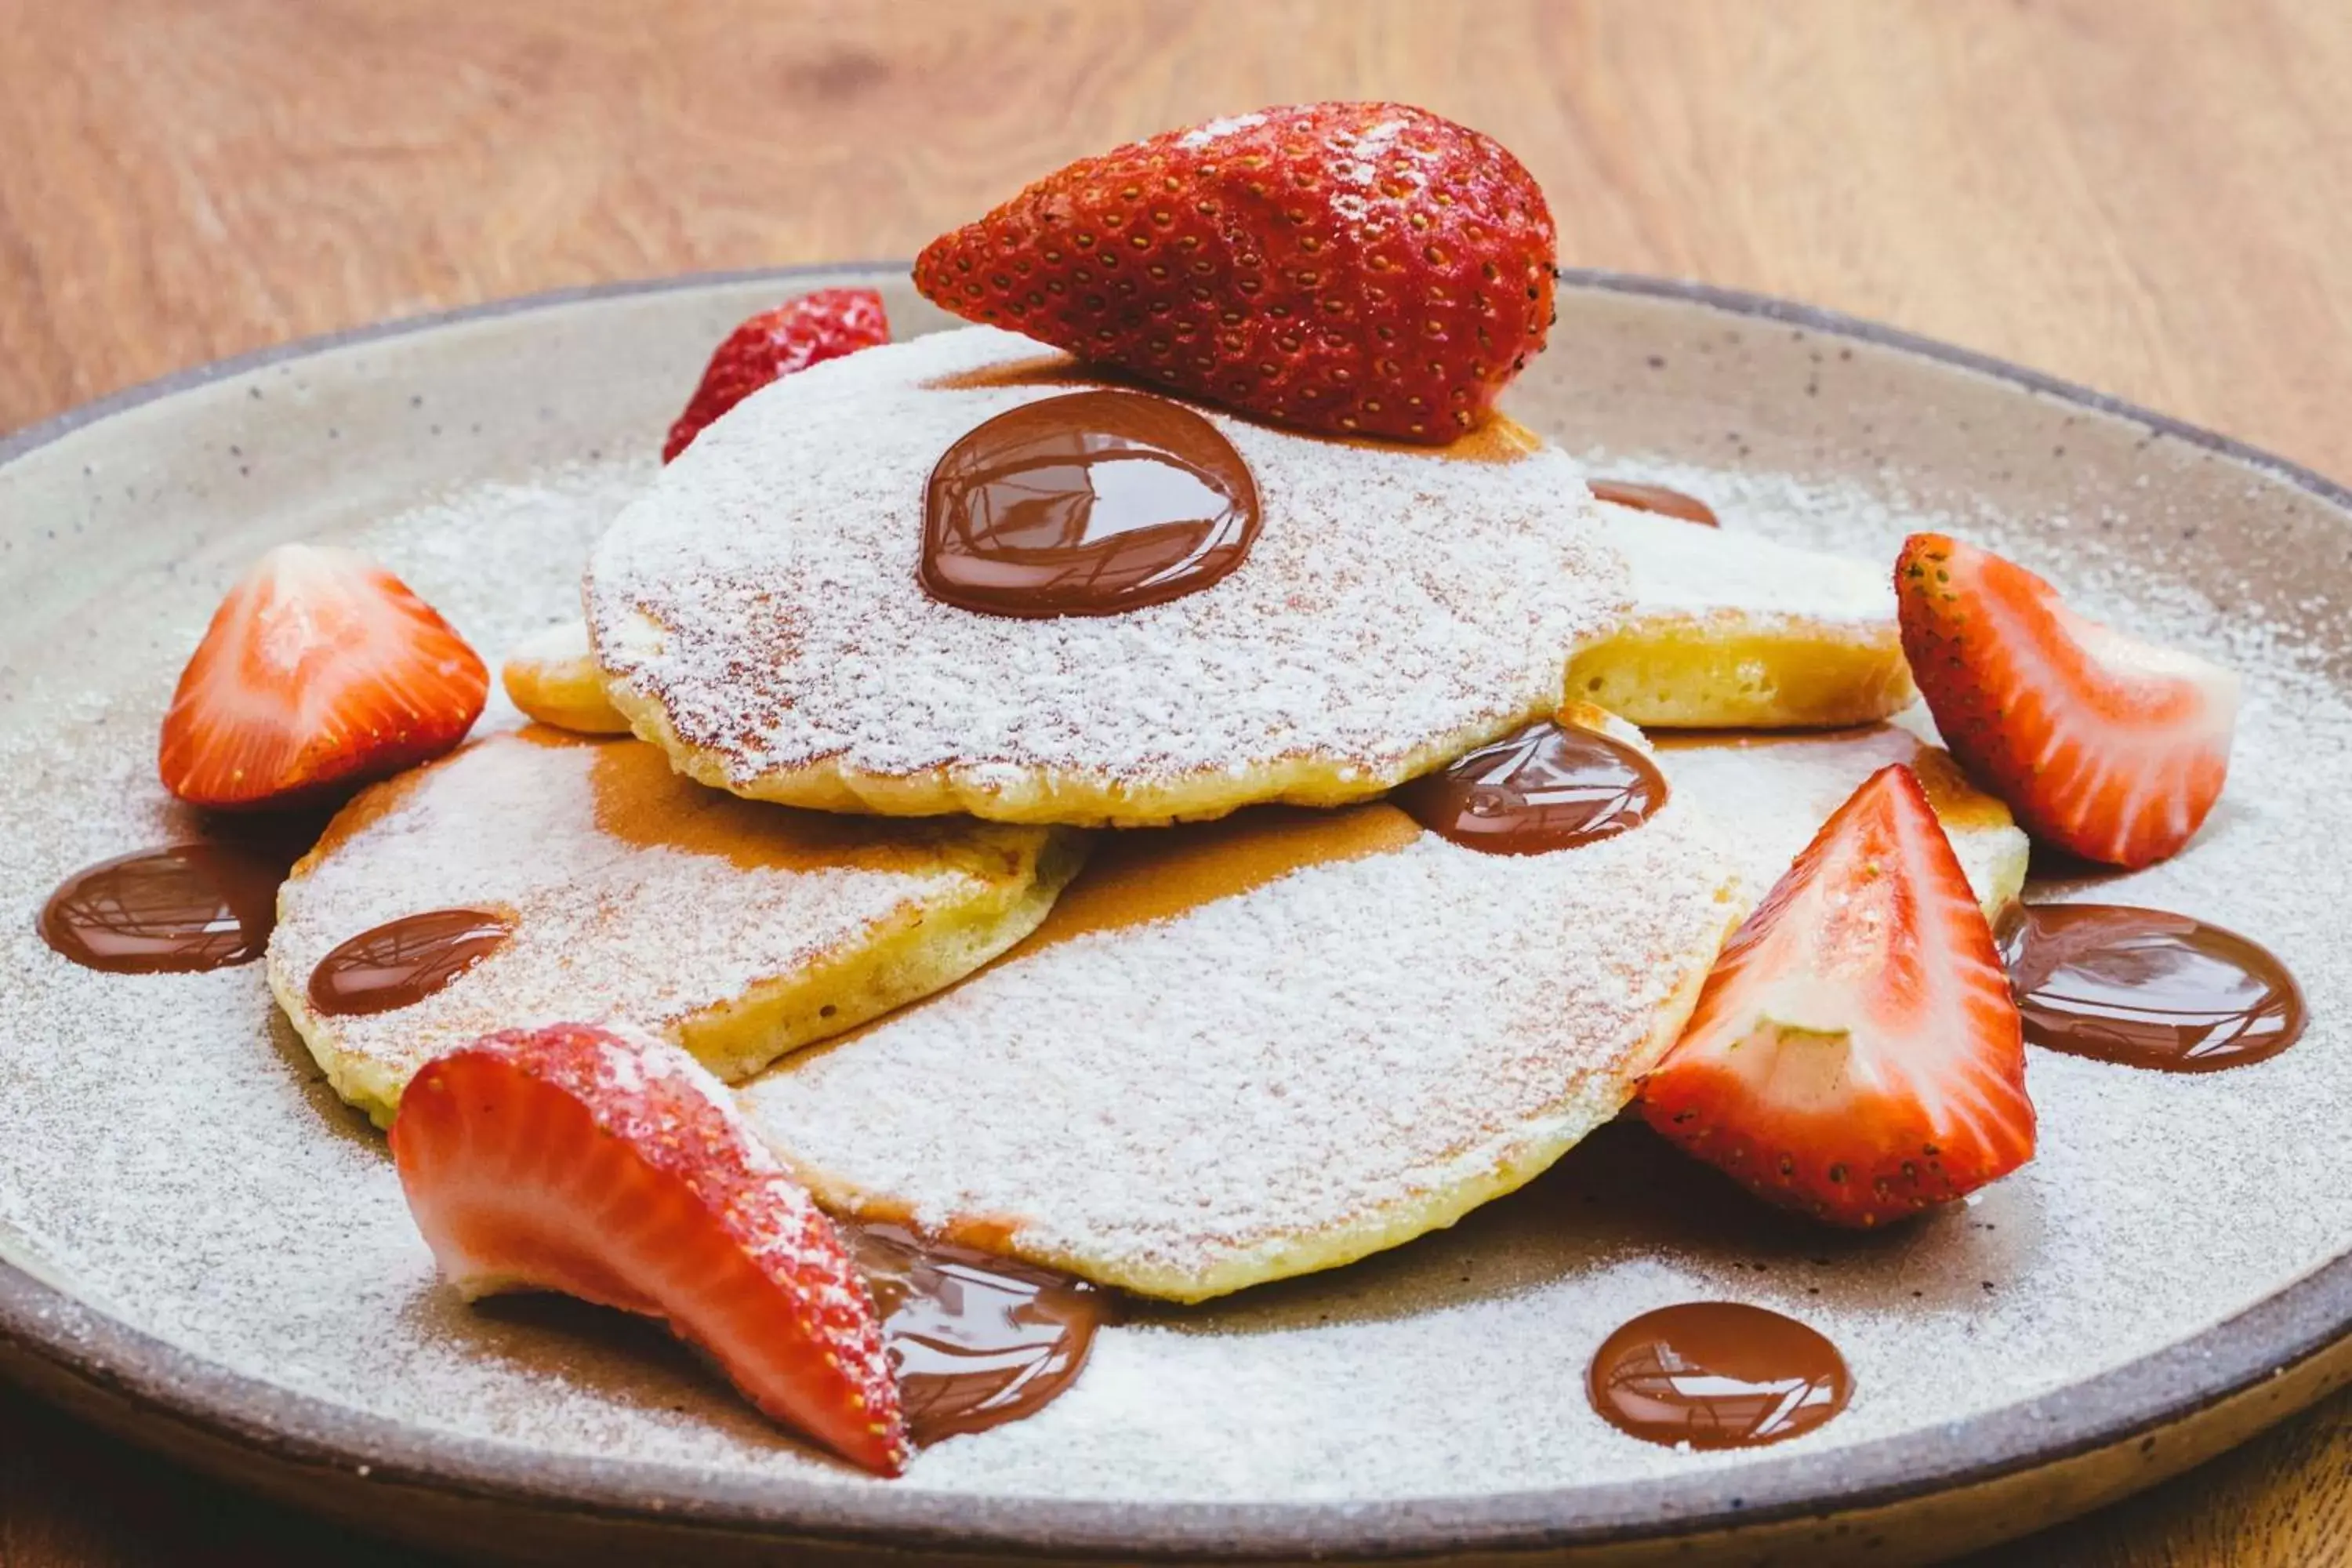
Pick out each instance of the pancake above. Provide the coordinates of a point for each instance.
(553, 677)
(1247, 1050)
(636, 897)
(1255, 1048)
(756, 614)
(1770, 794)
(1732, 630)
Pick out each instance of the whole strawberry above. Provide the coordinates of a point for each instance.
(794, 336)
(1355, 269)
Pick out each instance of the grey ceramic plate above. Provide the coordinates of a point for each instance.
(198, 1246)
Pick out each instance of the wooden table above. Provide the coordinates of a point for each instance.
(2153, 196)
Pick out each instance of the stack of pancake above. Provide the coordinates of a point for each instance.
(1099, 941)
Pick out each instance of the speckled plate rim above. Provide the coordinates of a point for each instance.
(79, 1347)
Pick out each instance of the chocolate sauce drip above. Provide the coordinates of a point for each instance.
(1547, 787)
(976, 1340)
(1717, 1374)
(1655, 497)
(403, 961)
(1092, 503)
(2149, 989)
(179, 909)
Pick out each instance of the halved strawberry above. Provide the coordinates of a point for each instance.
(2107, 747)
(320, 670)
(1855, 1053)
(1356, 268)
(794, 336)
(614, 1168)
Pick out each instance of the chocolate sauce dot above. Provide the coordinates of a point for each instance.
(1655, 497)
(2149, 989)
(975, 1340)
(1717, 1374)
(1547, 787)
(403, 961)
(1092, 503)
(181, 909)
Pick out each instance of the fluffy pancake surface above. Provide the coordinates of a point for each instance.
(1254, 1048)
(756, 614)
(740, 930)
(1770, 794)
(1733, 630)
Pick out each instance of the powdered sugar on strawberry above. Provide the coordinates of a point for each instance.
(677, 1212)
(1217, 130)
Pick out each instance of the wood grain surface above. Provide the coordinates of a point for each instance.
(2152, 197)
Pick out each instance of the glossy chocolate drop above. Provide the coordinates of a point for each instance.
(1087, 504)
(1717, 1374)
(403, 961)
(2149, 989)
(1547, 787)
(1655, 498)
(976, 1340)
(179, 909)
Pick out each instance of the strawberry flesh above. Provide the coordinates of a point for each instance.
(1855, 1053)
(796, 334)
(2107, 747)
(613, 1168)
(319, 671)
(1354, 269)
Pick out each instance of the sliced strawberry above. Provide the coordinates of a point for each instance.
(1356, 268)
(794, 336)
(320, 670)
(614, 1169)
(2107, 747)
(1855, 1053)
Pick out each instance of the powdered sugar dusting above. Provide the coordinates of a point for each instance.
(673, 1117)
(642, 1088)
(1362, 152)
(1267, 1070)
(560, 644)
(1770, 794)
(1681, 568)
(502, 559)
(762, 591)
(1219, 128)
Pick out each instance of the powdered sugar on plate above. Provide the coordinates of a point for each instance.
(501, 560)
